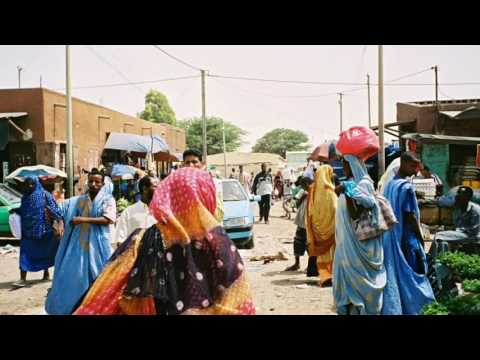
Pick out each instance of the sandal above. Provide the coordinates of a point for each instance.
(19, 284)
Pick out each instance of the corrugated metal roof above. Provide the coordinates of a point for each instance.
(451, 113)
(12, 115)
(442, 138)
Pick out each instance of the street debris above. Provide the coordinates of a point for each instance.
(302, 286)
(270, 258)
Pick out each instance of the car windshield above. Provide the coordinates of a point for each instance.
(232, 191)
(9, 194)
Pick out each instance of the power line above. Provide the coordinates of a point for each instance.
(105, 61)
(447, 96)
(177, 59)
(333, 93)
(132, 83)
(409, 75)
(342, 83)
(283, 81)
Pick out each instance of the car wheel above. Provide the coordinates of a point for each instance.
(250, 244)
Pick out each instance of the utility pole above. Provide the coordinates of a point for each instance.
(69, 125)
(224, 149)
(19, 69)
(369, 111)
(435, 69)
(40, 81)
(340, 102)
(204, 120)
(381, 127)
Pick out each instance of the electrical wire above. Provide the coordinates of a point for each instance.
(132, 83)
(289, 96)
(177, 59)
(342, 83)
(121, 74)
(447, 96)
(410, 75)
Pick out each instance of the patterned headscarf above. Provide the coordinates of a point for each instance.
(32, 210)
(184, 204)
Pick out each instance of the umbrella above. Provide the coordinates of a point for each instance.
(323, 152)
(136, 143)
(37, 170)
(120, 170)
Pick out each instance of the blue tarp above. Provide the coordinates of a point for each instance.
(136, 143)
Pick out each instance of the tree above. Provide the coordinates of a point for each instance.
(279, 141)
(194, 134)
(157, 109)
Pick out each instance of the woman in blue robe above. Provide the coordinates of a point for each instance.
(408, 288)
(38, 246)
(358, 273)
(85, 247)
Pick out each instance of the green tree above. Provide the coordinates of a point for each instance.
(193, 131)
(279, 141)
(157, 109)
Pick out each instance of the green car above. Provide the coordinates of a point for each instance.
(9, 199)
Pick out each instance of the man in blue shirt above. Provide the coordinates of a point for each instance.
(407, 289)
(466, 218)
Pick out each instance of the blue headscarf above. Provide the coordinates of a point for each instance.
(32, 211)
(359, 170)
(364, 190)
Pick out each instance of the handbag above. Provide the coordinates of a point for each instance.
(15, 222)
(363, 226)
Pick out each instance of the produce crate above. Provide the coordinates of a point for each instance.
(430, 215)
(446, 216)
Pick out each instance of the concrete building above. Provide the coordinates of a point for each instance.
(43, 113)
(455, 117)
(251, 162)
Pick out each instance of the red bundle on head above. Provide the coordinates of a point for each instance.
(359, 141)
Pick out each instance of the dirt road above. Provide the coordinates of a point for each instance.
(275, 292)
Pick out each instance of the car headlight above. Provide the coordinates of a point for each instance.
(240, 221)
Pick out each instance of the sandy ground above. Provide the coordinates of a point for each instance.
(275, 292)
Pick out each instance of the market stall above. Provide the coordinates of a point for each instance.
(453, 159)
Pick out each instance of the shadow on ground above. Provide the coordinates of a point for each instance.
(9, 284)
(294, 282)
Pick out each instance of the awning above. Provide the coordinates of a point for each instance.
(12, 115)
(4, 126)
(442, 139)
(471, 113)
(168, 157)
(136, 143)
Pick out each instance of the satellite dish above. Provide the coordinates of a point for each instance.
(28, 135)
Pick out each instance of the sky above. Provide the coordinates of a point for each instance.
(256, 107)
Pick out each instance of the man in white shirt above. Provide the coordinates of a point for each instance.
(137, 216)
(263, 186)
(426, 173)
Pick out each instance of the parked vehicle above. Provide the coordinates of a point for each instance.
(238, 219)
(9, 199)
